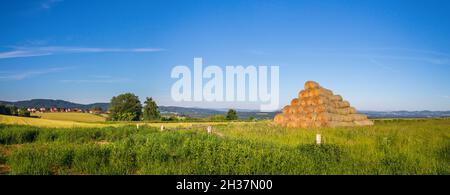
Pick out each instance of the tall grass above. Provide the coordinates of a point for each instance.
(389, 147)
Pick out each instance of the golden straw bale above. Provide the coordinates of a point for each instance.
(300, 109)
(358, 117)
(345, 111)
(295, 102)
(320, 108)
(322, 100)
(324, 116)
(292, 124)
(286, 109)
(293, 109)
(308, 109)
(342, 104)
(303, 94)
(302, 102)
(327, 91)
(311, 85)
(309, 102)
(336, 98)
(352, 110)
(324, 108)
(320, 92)
(320, 123)
(363, 122)
(347, 118)
(278, 118)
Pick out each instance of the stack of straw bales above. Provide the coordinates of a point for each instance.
(319, 107)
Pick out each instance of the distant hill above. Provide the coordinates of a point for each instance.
(49, 103)
(406, 114)
(205, 112)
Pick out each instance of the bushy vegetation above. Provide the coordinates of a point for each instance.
(14, 111)
(125, 107)
(151, 111)
(389, 147)
(232, 115)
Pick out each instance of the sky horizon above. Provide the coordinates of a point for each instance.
(379, 55)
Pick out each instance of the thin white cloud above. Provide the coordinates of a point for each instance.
(20, 52)
(47, 4)
(30, 73)
(105, 80)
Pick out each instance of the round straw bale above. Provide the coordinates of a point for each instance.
(286, 109)
(344, 111)
(278, 118)
(342, 104)
(300, 109)
(295, 102)
(358, 117)
(303, 94)
(311, 85)
(352, 110)
(336, 98)
(293, 109)
(320, 92)
(363, 122)
(320, 108)
(308, 109)
(324, 116)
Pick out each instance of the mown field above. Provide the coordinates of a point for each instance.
(388, 147)
(70, 116)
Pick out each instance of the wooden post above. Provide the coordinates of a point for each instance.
(137, 126)
(209, 129)
(318, 139)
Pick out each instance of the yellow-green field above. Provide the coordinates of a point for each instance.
(63, 120)
(38, 122)
(419, 146)
(70, 116)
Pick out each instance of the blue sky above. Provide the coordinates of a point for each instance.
(379, 55)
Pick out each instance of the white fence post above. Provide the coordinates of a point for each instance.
(209, 129)
(318, 139)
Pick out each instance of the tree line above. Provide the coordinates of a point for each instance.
(127, 107)
(14, 111)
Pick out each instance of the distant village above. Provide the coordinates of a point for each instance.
(94, 110)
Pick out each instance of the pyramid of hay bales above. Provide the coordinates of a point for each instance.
(319, 107)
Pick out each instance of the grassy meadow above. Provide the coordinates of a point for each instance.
(420, 146)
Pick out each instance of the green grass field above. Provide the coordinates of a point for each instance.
(389, 147)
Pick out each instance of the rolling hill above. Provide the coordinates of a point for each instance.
(205, 112)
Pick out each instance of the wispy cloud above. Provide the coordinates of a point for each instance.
(107, 80)
(382, 66)
(11, 75)
(20, 52)
(98, 79)
(47, 4)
